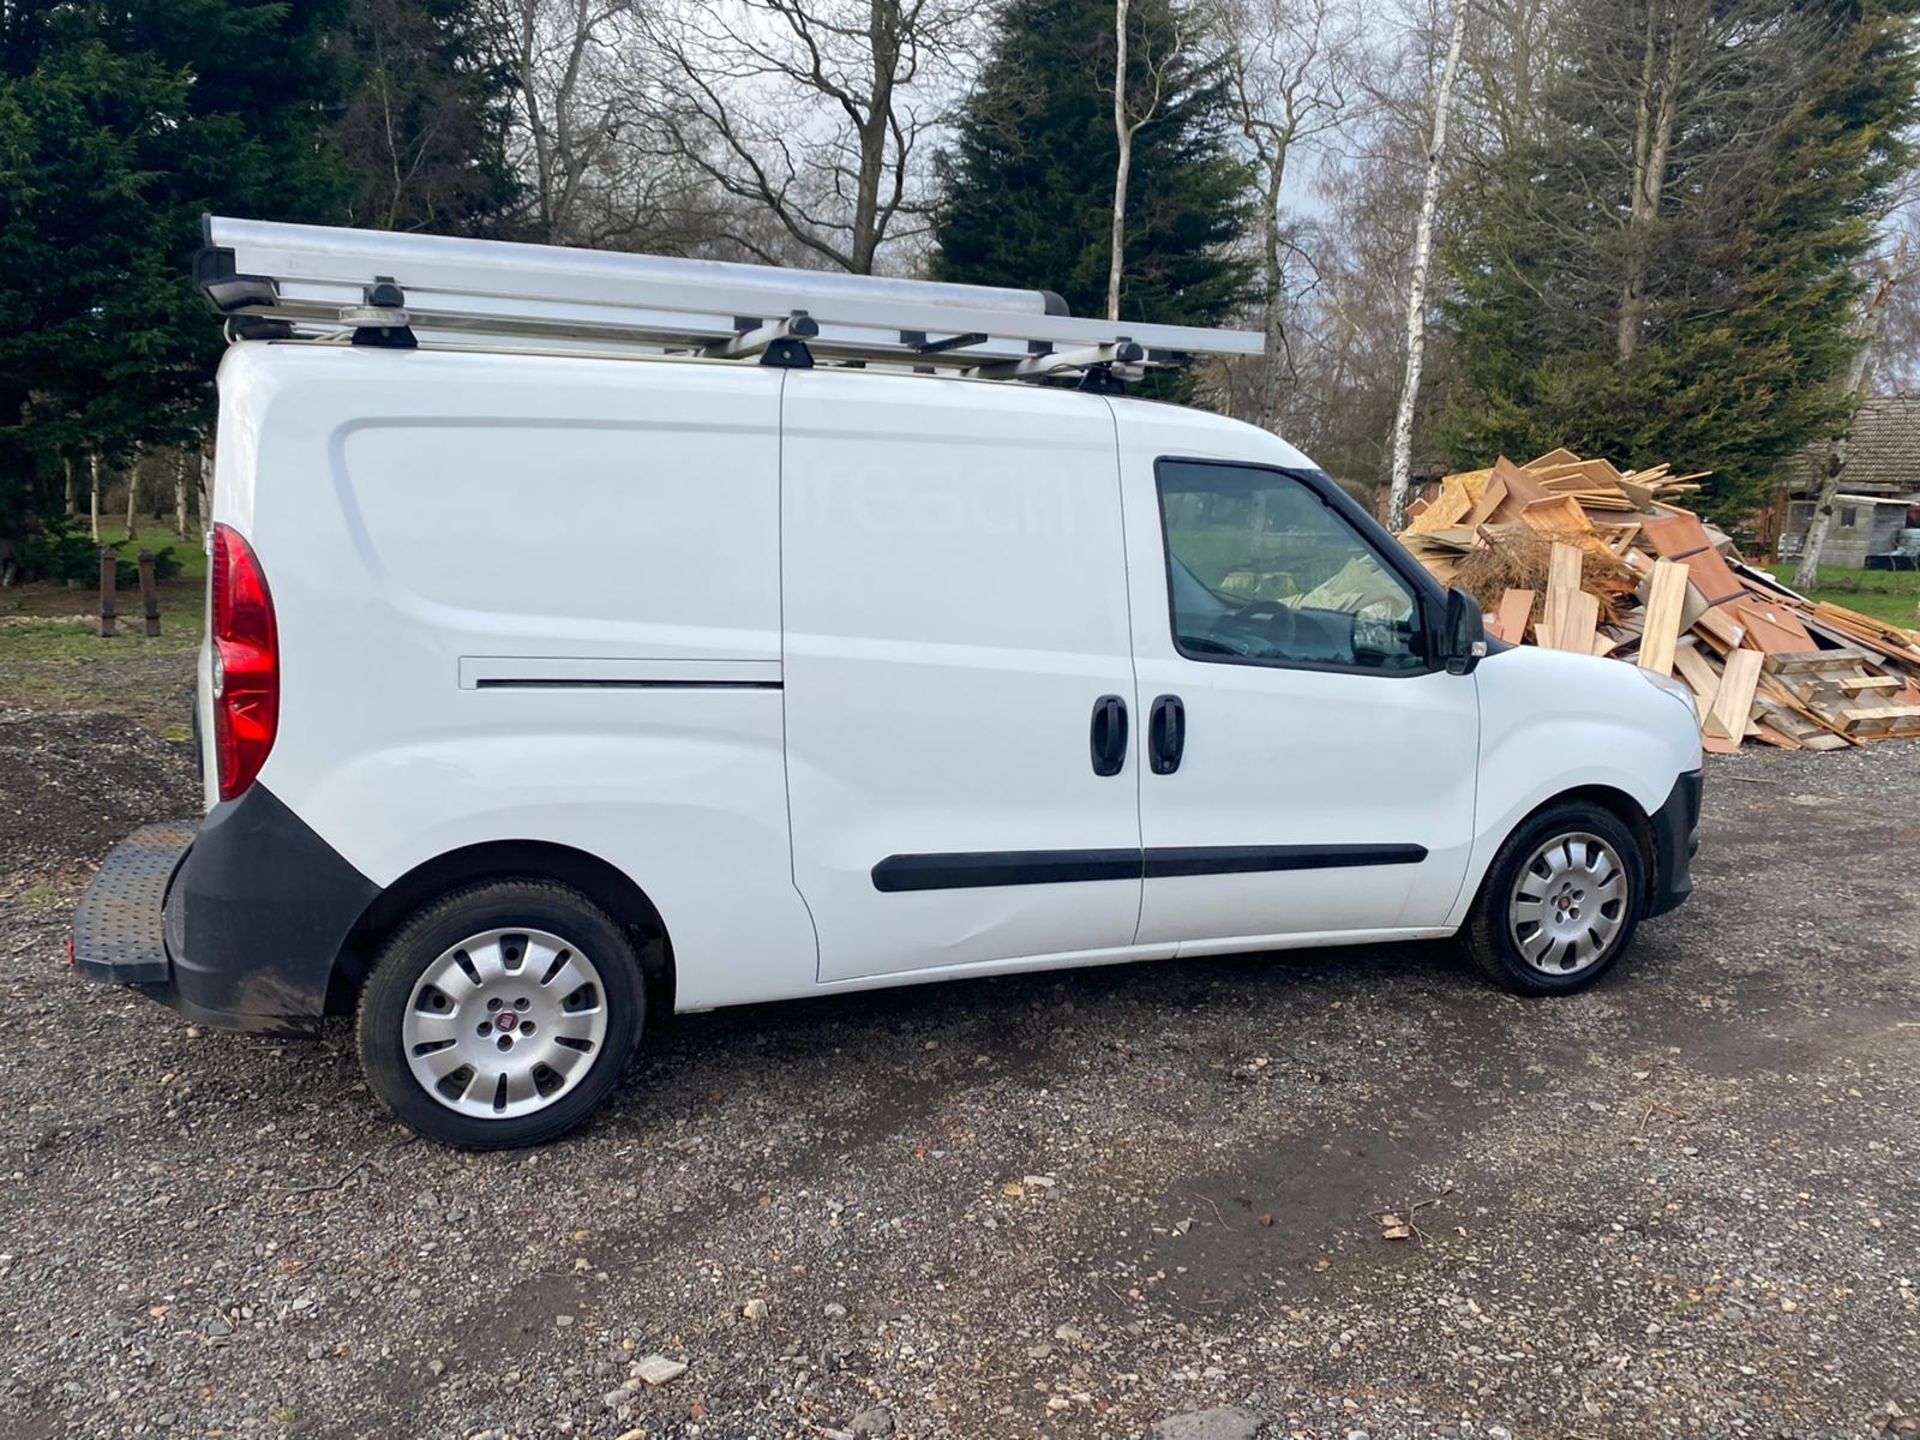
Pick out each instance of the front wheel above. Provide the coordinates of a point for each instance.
(1561, 901)
(501, 1014)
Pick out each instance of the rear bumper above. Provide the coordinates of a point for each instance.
(236, 921)
(1676, 840)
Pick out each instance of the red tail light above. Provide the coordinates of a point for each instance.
(246, 663)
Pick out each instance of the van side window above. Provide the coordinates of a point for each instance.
(1261, 571)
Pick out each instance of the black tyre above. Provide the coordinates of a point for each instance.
(1561, 901)
(501, 1014)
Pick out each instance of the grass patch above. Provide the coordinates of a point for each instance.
(39, 897)
(65, 665)
(1889, 595)
(81, 644)
(191, 552)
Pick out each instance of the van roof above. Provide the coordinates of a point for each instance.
(1175, 428)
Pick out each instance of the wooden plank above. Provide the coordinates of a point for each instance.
(1560, 514)
(1640, 495)
(1682, 537)
(1881, 712)
(1516, 608)
(1522, 490)
(1728, 717)
(1447, 508)
(1492, 494)
(1563, 583)
(1770, 627)
(1702, 677)
(1854, 684)
(1562, 456)
(1779, 739)
(1799, 662)
(1660, 624)
(1579, 619)
(1724, 631)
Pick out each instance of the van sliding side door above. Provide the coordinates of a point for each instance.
(962, 752)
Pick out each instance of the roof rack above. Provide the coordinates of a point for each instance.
(378, 288)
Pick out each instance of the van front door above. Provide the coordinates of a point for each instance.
(961, 747)
(1306, 772)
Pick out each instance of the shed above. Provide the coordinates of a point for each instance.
(1878, 488)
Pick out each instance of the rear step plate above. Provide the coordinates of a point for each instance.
(119, 928)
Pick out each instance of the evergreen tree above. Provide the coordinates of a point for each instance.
(121, 122)
(1705, 328)
(425, 128)
(1028, 183)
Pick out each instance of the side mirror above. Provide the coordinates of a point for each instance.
(1462, 642)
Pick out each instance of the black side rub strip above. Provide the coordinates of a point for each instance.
(501, 682)
(968, 870)
(1249, 859)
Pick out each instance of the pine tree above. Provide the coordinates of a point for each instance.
(425, 127)
(120, 125)
(1707, 326)
(1028, 183)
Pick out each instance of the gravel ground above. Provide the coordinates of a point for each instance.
(1684, 1203)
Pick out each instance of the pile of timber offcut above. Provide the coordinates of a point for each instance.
(1574, 554)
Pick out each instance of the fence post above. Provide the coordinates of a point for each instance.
(149, 595)
(109, 568)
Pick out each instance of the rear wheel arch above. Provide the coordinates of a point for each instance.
(606, 885)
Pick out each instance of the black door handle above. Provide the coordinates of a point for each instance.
(1108, 736)
(1166, 734)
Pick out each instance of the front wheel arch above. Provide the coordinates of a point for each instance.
(1482, 934)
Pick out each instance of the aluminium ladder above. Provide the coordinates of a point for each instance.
(380, 288)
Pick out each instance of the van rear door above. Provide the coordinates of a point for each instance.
(957, 668)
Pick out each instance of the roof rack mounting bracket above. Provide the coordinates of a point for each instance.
(380, 321)
(757, 339)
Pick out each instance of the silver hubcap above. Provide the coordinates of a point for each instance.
(1568, 903)
(505, 1023)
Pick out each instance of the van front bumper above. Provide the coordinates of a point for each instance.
(237, 920)
(1676, 840)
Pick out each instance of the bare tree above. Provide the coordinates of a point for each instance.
(1129, 114)
(1290, 66)
(1894, 271)
(570, 107)
(1402, 463)
(133, 497)
(180, 492)
(813, 114)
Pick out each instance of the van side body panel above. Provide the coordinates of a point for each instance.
(532, 612)
(1554, 722)
(955, 608)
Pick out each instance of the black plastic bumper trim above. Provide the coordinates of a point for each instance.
(1676, 840)
(246, 926)
(964, 870)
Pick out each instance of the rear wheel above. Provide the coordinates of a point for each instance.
(501, 1014)
(1561, 901)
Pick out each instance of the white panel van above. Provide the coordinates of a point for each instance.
(542, 690)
